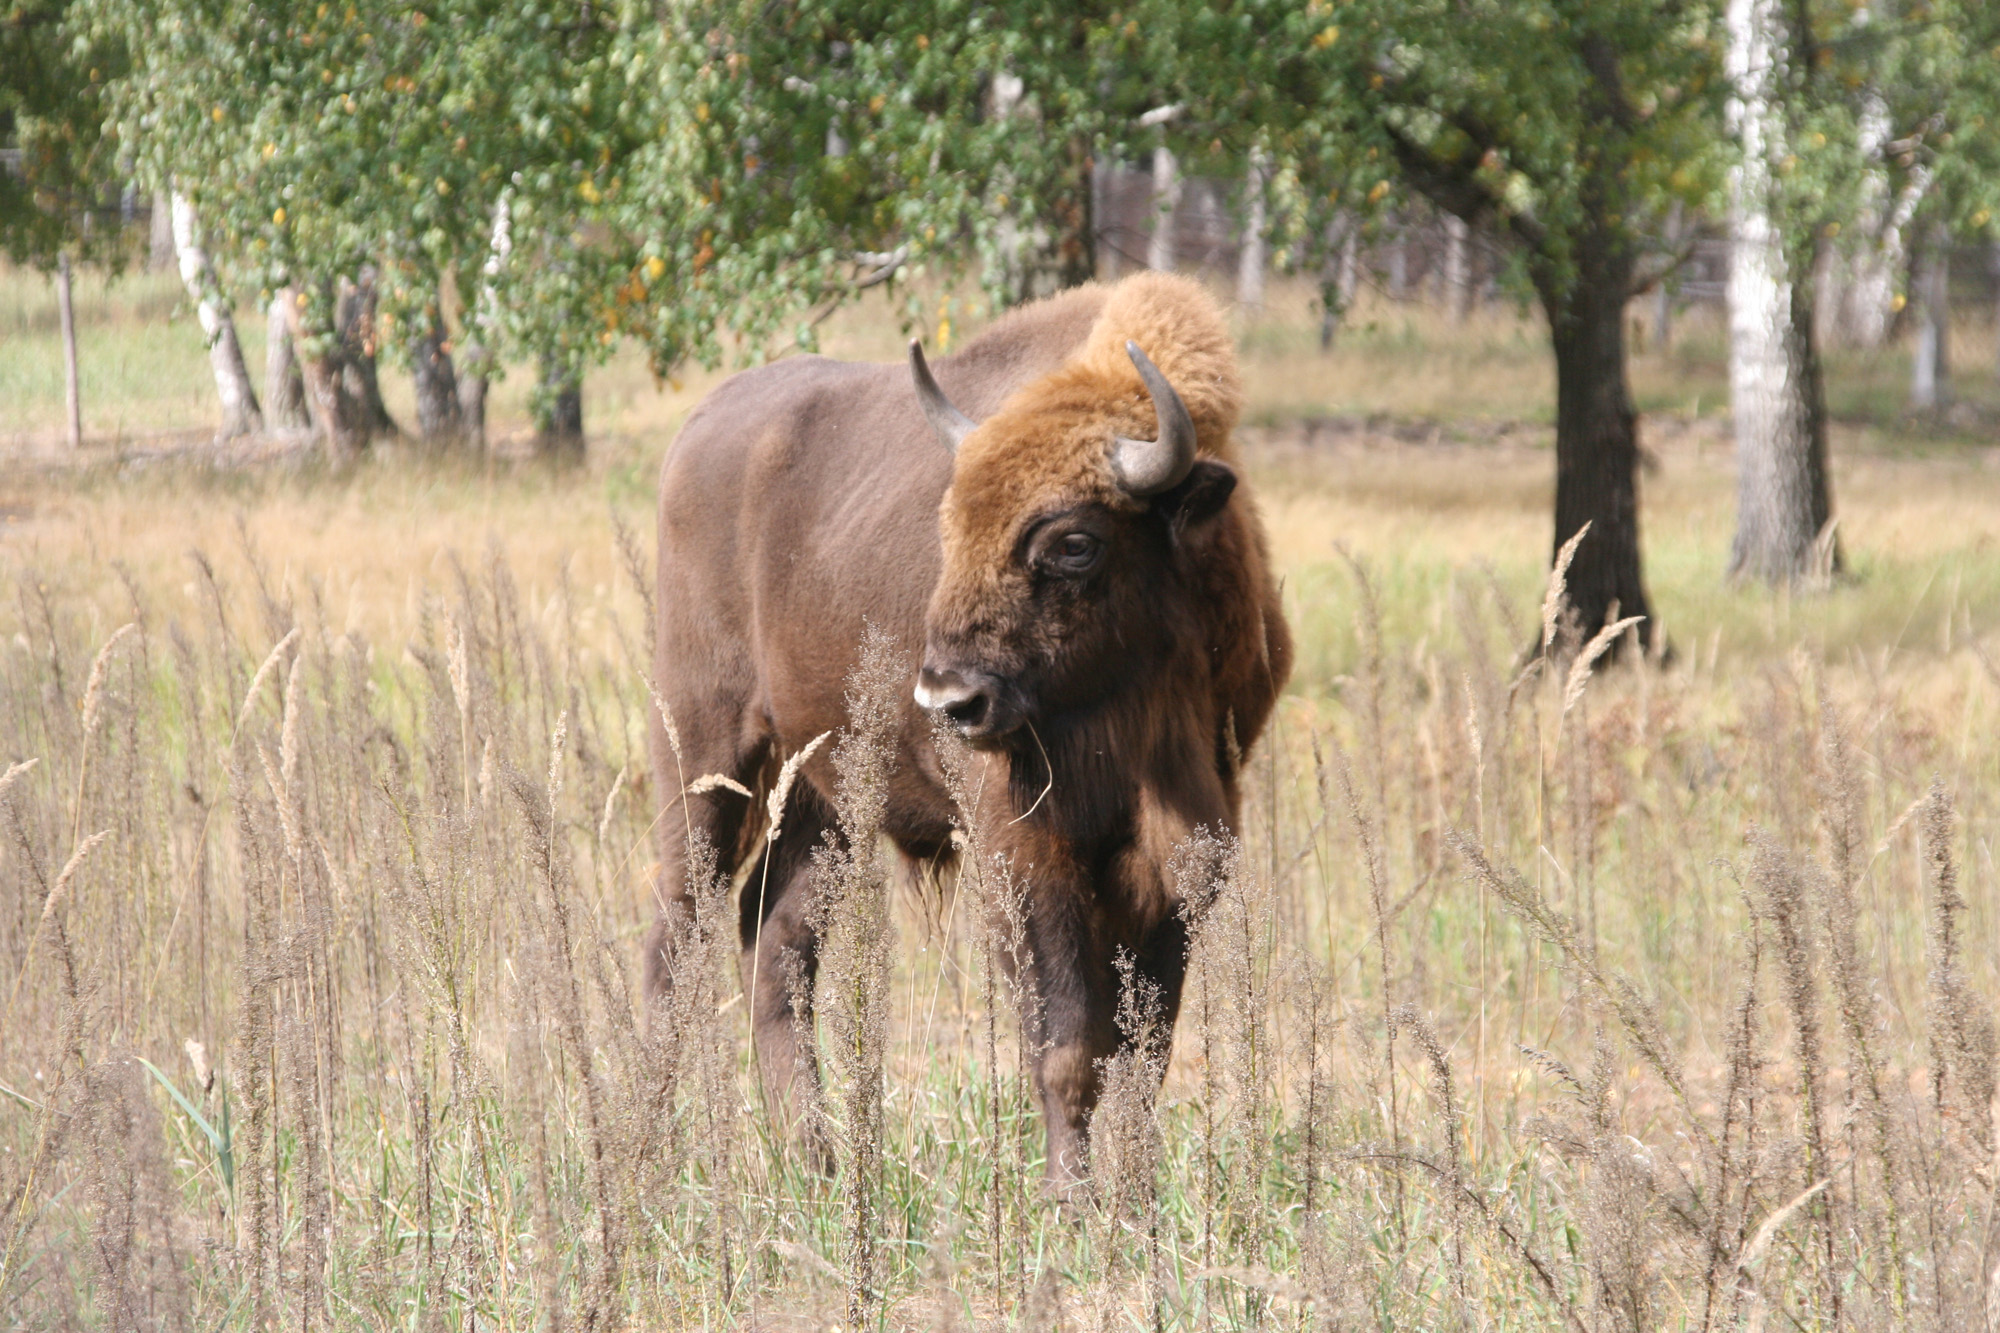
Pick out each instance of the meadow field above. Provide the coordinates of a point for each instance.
(1655, 997)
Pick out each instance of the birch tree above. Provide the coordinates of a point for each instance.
(1949, 77)
(1251, 260)
(1783, 498)
(325, 144)
(1865, 265)
(240, 412)
(1930, 301)
(1908, 92)
(482, 326)
(1166, 198)
(1457, 267)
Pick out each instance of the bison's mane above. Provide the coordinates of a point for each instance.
(1180, 326)
(1175, 322)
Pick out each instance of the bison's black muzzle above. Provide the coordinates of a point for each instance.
(980, 706)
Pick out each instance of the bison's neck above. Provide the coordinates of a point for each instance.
(1128, 772)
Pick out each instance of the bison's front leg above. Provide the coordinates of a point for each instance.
(779, 963)
(1074, 1012)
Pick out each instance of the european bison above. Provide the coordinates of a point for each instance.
(1054, 533)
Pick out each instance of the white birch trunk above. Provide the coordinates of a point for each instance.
(1399, 260)
(1109, 257)
(240, 414)
(1772, 379)
(1166, 199)
(476, 359)
(1866, 299)
(160, 234)
(1457, 267)
(1930, 363)
(1011, 242)
(1663, 295)
(72, 393)
(1339, 276)
(1251, 258)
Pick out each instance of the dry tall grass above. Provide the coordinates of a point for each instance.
(1525, 998)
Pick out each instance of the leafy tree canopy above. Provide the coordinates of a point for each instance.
(57, 168)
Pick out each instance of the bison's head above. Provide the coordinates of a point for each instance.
(1072, 535)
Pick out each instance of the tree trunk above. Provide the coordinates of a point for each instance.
(1993, 267)
(1166, 199)
(160, 234)
(482, 328)
(72, 394)
(1930, 366)
(1782, 496)
(1338, 278)
(559, 414)
(1829, 282)
(1457, 267)
(440, 419)
(336, 417)
(1869, 261)
(1101, 169)
(1399, 260)
(1251, 259)
(284, 386)
(1014, 245)
(240, 414)
(354, 322)
(1597, 434)
(1059, 249)
(472, 405)
(1075, 212)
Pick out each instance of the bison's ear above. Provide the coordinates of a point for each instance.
(1199, 497)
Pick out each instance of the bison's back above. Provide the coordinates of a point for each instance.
(781, 486)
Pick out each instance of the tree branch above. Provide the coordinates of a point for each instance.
(1672, 262)
(1455, 186)
(1600, 58)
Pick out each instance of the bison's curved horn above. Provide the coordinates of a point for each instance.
(951, 425)
(1147, 467)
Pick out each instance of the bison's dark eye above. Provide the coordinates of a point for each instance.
(1076, 553)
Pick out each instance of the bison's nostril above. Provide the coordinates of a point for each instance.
(967, 711)
(940, 689)
(965, 699)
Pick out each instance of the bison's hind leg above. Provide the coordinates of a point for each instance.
(781, 962)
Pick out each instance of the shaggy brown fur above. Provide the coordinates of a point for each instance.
(1134, 647)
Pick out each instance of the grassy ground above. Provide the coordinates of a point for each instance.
(1660, 1001)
